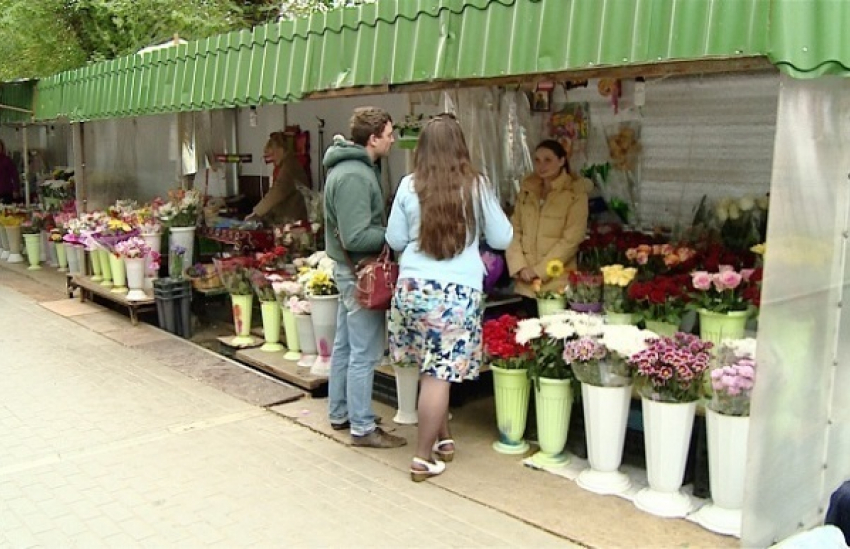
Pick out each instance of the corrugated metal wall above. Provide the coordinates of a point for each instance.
(711, 135)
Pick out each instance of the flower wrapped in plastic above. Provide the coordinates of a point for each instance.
(317, 275)
(112, 230)
(734, 377)
(133, 248)
(616, 279)
(235, 273)
(262, 281)
(671, 369)
(285, 290)
(620, 342)
(181, 210)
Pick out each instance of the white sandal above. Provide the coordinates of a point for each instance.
(431, 469)
(445, 455)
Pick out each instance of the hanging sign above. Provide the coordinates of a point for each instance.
(234, 158)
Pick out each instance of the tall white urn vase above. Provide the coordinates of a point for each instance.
(727, 459)
(407, 391)
(184, 237)
(323, 312)
(606, 413)
(307, 338)
(667, 436)
(135, 272)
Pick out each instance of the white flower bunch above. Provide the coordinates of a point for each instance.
(625, 340)
(528, 329)
(190, 199)
(741, 347)
(167, 211)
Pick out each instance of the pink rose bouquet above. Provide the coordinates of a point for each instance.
(722, 291)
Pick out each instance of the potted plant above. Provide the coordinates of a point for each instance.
(31, 231)
(552, 377)
(235, 273)
(728, 422)
(550, 301)
(601, 365)
(615, 298)
(511, 387)
(133, 252)
(668, 376)
(409, 130)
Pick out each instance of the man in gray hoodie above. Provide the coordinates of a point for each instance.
(355, 226)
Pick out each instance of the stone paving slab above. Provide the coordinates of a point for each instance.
(70, 307)
(103, 445)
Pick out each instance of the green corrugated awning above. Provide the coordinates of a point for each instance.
(399, 42)
(810, 38)
(15, 98)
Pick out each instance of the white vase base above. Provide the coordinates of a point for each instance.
(119, 289)
(15, 258)
(542, 459)
(306, 361)
(136, 295)
(321, 367)
(604, 483)
(269, 347)
(719, 520)
(663, 504)
(511, 449)
(406, 418)
(62, 269)
(34, 268)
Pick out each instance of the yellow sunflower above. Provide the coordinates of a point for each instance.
(555, 268)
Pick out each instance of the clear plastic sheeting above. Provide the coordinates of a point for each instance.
(799, 446)
(515, 122)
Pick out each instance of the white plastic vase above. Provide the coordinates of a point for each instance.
(407, 389)
(4, 243)
(154, 242)
(727, 458)
(15, 243)
(52, 258)
(307, 340)
(185, 238)
(667, 436)
(323, 312)
(606, 414)
(45, 256)
(135, 269)
(73, 259)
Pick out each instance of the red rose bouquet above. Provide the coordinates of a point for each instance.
(501, 346)
(663, 298)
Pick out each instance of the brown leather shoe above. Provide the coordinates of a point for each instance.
(378, 439)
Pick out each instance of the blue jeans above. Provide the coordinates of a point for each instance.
(358, 349)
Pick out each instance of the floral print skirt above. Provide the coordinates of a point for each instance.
(437, 326)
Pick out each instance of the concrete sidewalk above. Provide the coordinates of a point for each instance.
(107, 444)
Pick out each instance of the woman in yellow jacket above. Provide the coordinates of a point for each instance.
(550, 221)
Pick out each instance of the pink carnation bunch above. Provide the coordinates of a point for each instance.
(734, 379)
(585, 349)
(671, 368)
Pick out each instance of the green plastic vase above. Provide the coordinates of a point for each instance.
(715, 327)
(554, 403)
(242, 305)
(94, 257)
(105, 268)
(619, 318)
(271, 326)
(662, 328)
(511, 389)
(61, 257)
(290, 328)
(33, 244)
(551, 306)
(119, 274)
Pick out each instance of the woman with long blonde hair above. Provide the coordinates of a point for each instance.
(437, 217)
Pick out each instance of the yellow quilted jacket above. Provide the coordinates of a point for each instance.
(551, 229)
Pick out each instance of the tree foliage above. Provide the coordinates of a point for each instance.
(43, 37)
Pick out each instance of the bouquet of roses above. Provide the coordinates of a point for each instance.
(662, 299)
(616, 279)
(235, 274)
(722, 291)
(261, 281)
(734, 378)
(585, 287)
(299, 306)
(133, 248)
(671, 368)
(285, 290)
(501, 346)
(654, 259)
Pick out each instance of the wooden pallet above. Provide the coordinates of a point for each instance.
(277, 366)
(89, 289)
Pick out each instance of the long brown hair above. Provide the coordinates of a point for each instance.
(446, 184)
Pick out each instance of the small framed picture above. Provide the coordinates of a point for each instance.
(541, 100)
